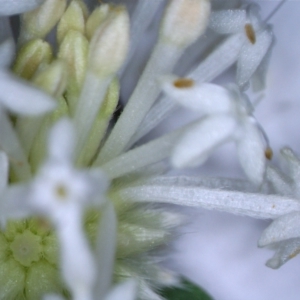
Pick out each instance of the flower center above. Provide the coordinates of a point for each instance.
(26, 248)
(250, 33)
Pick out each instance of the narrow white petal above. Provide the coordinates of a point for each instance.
(240, 203)
(7, 53)
(3, 171)
(206, 97)
(125, 291)
(14, 203)
(194, 147)
(62, 141)
(280, 183)
(228, 21)
(203, 182)
(53, 297)
(292, 161)
(252, 54)
(251, 151)
(105, 250)
(286, 250)
(12, 7)
(143, 156)
(19, 97)
(283, 228)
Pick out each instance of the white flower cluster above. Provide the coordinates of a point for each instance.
(90, 167)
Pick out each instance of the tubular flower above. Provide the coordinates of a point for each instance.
(81, 201)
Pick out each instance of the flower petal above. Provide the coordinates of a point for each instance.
(240, 203)
(205, 97)
(251, 152)
(199, 141)
(125, 291)
(21, 98)
(286, 250)
(3, 171)
(13, 7)
(228, 21)
(61, 141)
(106, 249)
(283, 228)
(251, 56)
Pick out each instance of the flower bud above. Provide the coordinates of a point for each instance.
(31, 56)
(39, 22)
(73, 19)
(109, 45)
(184, 21)
(53, 79)
(98, 16)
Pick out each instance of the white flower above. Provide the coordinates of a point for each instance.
(60, 192)
(283, 235)
(227, 116)
(248, 43)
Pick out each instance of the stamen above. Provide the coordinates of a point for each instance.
(269, 153)
(250, 33)
(183, 83)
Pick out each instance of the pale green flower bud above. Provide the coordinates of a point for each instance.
(73, 19)
(184, 21)
(39, 22)
(53, 79)
(109, 45)
(31, 56)
(74, 50)
(98, 16)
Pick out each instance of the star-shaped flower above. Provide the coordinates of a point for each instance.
(283, 233)
(227, 116)
(61, 192)
(255, 39)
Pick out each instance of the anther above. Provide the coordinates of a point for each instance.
(183, 83)
(250, 33)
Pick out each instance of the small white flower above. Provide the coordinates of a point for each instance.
(283, 235)
(255, 38)
(61, 193)
(227, 116)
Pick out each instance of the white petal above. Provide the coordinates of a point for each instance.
(53, 297)
(124, 291)
(12, 7)
(194, 147)
(240, 203)
(251, 56)
(251, 151)
(286, 250)
(283, 228)
(280, 183)
(7, 53)
(206, 97)
(3, 171)
(292, 161)
(19, 97)
(228, 21)
(106, 247)
(61, 142)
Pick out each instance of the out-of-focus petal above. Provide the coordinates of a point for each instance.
(283, 228)
(61, 142)
(12, 7)
(285, 251)
(228, 21)
(3, 171)
(199, 141)
(125, 291)
(21, 98)
(252, 54)
(251, 151)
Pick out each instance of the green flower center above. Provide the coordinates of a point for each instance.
(26, 248)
